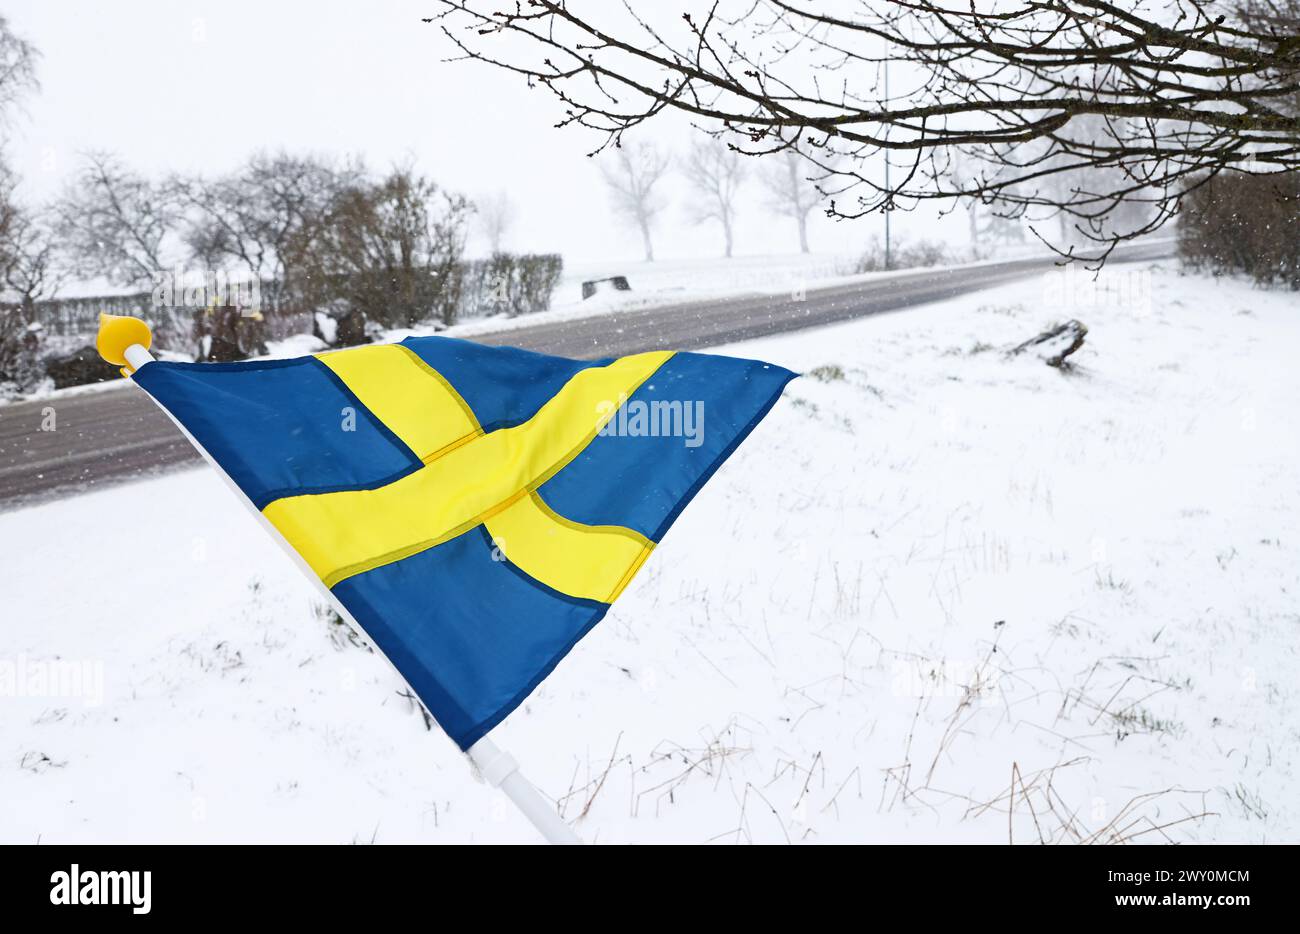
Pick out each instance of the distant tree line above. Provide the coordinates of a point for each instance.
(295, 242)
(715, 173)
(791, 187)
(331, 248)
(317, 234)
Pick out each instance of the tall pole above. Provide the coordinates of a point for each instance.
(889, 263)
(124, 342)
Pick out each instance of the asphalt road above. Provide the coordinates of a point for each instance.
(118, 434)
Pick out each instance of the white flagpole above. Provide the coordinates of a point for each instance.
(502, 771)
(498, 768)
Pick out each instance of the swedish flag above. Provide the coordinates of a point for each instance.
(476, 509)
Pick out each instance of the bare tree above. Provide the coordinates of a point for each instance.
(633, 183)
(17, 77)
(116, 222)
(791, 190)
(9, 210)
(1068, 182)
(260, 216)
(1279, 19)
(1184, 89)
(23, 257)
(715, 172)
(496, 215)
(32, 265)
(960, 170)
(17, 67)
(387, 250)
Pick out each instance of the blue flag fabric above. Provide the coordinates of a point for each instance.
(476, 509)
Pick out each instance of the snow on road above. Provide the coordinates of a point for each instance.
(937, 585)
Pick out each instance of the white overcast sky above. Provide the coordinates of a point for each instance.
(197, 86)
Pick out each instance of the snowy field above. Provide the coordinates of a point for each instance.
(941, 594)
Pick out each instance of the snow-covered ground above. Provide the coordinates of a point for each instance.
(938, 584)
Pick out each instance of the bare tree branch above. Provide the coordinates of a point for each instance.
(1160, 94)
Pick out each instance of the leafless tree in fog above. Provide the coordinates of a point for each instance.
(386, 250)
(17, 77)
(715, 172)
(633, 181)
(17, 68)
(32, 264)
(115, 221)
(258, 216)
(9, 210)
(791, 191)
(496, 215)
(1182, 89)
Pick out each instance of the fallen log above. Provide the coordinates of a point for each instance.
(1055, 344)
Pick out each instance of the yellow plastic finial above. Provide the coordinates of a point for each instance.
(118, 332)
